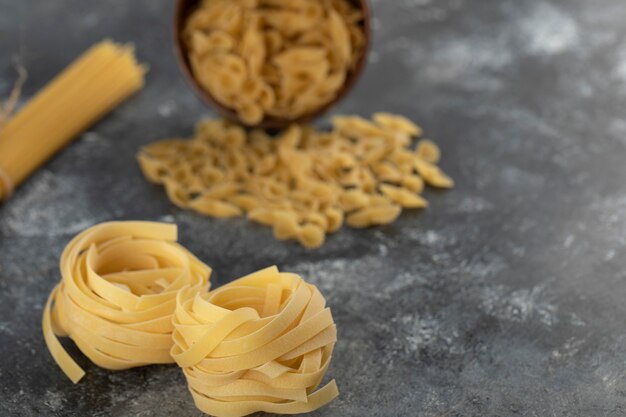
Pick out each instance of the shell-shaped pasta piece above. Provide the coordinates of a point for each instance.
(356, 127)
(250, 90)
(176, 193)
(311, 236)
(288, 22)
(343, 160)
(267, 97)
(353, 199)
(274, 41)
(221, 191)
(298, 56)
(252, 49)
(211, 128)
(270, 74)
(366, 180)
(386, 171)
(250, 113)
(315, 38)
(229, 18)
(359, 219)
(266, 164)
(378, 200)
(199, 20)
(317, 219)
(342, 6)
(291, 137)
(217, 41)
(214, 207)
(413, 183)
(211, 175)
(403, 197)
(244, 201)
(286, 224)
(152, 169)
(397, 123)
(340, 36)
(334, 217)
(432, 175)
(262, 215)
(333, 83)
(369, 216)
(428, 151)
(308, 99)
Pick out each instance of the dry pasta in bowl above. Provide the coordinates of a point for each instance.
(304, 183)
(274, 59)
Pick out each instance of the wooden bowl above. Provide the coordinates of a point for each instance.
(184, 8)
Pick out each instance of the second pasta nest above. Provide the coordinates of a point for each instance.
(303, 183)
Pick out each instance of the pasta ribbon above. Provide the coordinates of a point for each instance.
(260, 343)
(117, 295)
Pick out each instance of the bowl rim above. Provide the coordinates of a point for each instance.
(183, 8)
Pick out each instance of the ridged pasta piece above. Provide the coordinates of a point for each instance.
(311, 236)
(380, 214)
(397, 123)
(118, 293)
(433, 175)
(403, 197)
(260, 343)
(428, 151)
(214, 208)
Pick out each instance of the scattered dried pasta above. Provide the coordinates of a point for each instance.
(260, 343)
(304, 182)
(118, 293)
(281, 58)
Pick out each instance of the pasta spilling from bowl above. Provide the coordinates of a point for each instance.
(304, 182)
(277, 58)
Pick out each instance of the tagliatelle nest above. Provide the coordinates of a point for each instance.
(260, 343)
(117, 295)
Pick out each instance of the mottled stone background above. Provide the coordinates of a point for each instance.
(507, 297)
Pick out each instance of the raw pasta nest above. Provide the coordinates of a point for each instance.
(118, 293)
(260, 343)
(304, 182)
(280, 58)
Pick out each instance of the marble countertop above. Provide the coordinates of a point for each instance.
(506, 297)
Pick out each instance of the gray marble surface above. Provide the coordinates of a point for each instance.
(507, 297)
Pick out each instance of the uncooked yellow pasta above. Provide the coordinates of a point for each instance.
(279, 58)
(260, 343)
(85, 91)
(304, 182)
(117, 295)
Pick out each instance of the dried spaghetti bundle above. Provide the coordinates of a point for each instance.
(84, 92)
(118, 293)
(260, 343)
